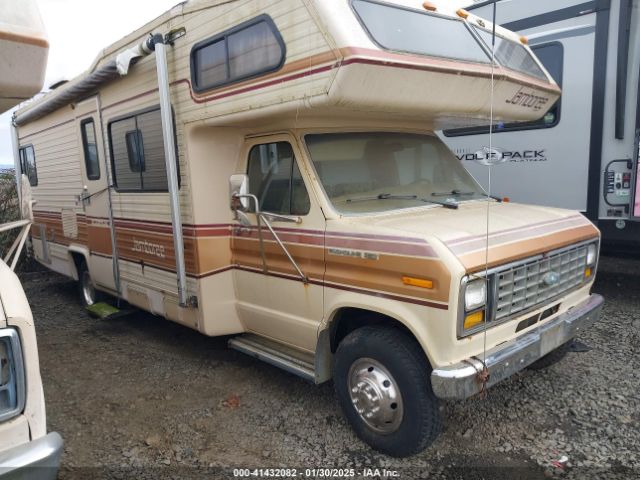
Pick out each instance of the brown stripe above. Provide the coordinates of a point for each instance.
(474, 262)
(523, 234)
(459, 240)
(434, 64)
(26, 39)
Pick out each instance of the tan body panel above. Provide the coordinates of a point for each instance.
(333, 79)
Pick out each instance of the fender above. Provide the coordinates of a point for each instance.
(79, 249)
(411, 317)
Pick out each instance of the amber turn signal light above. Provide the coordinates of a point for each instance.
(417, 282)
(462, 13)
(473, 319)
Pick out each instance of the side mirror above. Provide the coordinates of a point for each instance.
(239, 185)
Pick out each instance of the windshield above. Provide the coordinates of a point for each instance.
(380, 171)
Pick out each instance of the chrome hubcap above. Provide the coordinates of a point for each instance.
(375, 395)
(88, 290)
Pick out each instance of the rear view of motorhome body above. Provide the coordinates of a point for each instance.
(269, 169)
(584, 153)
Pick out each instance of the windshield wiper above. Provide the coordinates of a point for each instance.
(390, 196)
(452, 206)
(459, 193)
(383, 196)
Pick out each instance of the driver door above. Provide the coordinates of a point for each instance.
(273, 299)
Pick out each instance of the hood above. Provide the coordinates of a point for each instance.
(514, 230)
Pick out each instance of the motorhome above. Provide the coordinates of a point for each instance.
(269, 170)
(583, 154)
(26, 449)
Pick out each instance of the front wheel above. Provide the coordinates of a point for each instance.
(382, 380)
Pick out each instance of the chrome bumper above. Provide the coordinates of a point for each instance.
(460, 381)
(38, 459)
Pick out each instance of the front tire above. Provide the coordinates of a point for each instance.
(382, 379)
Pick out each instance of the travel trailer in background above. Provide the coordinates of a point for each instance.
(26, 450)
(268, 169)
(584, 153)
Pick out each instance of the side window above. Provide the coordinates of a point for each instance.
(248, 50)
(28, 164)
(90, 148)
(137, 153)
(552, 57)
(274, 177)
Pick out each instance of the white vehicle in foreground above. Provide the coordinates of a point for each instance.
(26, 450)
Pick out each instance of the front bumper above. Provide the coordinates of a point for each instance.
(461, 380)
(38, 459)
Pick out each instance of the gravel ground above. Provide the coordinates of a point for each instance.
(141, 397)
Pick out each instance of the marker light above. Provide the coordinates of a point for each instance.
(462, 13)
(417, 282)
(524, 40)
(429, 6)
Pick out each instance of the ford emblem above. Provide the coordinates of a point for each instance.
(551, 278)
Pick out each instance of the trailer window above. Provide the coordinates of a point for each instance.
(28, 164)
(274, 177)
(137, 153)
(551, 55)
(403, 29)
(90, 148)
(248, 50)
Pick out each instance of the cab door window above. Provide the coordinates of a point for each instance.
(275, 179)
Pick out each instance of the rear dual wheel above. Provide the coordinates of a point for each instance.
(382, 380)
(88, 293)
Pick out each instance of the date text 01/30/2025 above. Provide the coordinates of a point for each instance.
(373, 473)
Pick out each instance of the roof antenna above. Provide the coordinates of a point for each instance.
(484, 375)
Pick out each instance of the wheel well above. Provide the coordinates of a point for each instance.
(77, 258)
(348, 319)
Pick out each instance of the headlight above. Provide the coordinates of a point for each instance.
(592, 254)
(12, 388)
(475, 295)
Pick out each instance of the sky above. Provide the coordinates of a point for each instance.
(79, 29)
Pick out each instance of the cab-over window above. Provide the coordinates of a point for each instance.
(248, 50)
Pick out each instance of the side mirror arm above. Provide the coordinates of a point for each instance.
(263, 217)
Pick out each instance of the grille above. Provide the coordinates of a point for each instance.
(523, 287)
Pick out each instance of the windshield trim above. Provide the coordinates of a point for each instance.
(327, 199)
